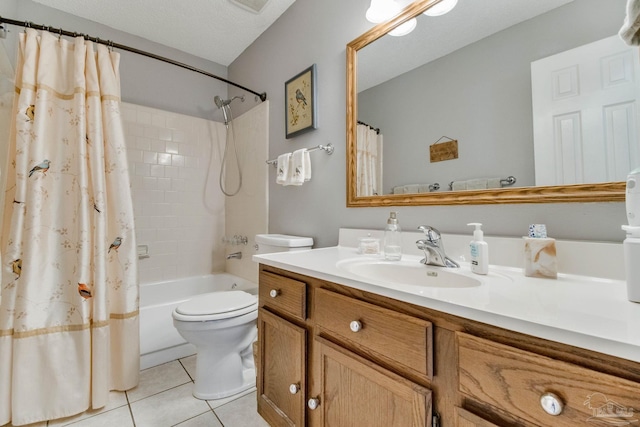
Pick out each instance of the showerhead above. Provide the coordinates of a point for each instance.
(219, 102)
(224, 105)
(224, 102)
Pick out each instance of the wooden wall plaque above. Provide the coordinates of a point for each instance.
(443, 151)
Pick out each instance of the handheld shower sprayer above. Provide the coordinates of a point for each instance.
(223, 104)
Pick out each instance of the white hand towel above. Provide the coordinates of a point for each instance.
(630, 31)
(282, 169)
(459, 185)
(298, 167)
(411, 188)
(307, 166)
(477, 184)
(494, 183)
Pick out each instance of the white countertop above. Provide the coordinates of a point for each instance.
(586, 312)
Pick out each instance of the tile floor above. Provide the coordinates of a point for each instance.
(163, 398)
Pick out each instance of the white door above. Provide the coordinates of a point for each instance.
(586, 114)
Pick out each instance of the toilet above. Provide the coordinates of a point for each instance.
(223, 326)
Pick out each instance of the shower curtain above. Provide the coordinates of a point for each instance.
(69, 307)
(368, 161)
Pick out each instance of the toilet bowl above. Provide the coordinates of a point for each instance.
(222, 326)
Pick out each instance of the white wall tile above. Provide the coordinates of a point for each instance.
(169, 157)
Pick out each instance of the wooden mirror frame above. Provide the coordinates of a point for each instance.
(597, 192)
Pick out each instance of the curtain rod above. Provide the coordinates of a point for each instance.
(60, 31)
(370, 127)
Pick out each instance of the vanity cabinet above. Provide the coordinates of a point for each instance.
(541, 390)
(282, 360)
(331, 355)
(357, 392)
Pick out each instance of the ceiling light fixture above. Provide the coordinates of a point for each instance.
(382, 10)
(404, 29)
(441, 8)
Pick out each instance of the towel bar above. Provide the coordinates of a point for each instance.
(510, 180)
(328, 148)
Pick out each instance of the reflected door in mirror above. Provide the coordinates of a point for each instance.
(586, 113)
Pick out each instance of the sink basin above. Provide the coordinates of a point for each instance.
(407, 273)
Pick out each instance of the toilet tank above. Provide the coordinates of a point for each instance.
(270, 243)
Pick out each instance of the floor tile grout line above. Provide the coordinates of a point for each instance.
(133, 419)
(155, 394)
(190, 418)
(185, 369)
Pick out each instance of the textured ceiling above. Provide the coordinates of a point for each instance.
(217, 30)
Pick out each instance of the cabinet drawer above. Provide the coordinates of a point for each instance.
(383, 334)
(467, 419)
(515, 381)
(284, 295)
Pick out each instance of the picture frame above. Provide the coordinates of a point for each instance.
(300, 103)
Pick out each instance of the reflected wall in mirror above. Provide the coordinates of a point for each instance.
(467, 75)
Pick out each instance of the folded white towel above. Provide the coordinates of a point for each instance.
(630, 31)
(494, 183)
(477, 184)
(282, 169)
(459, 185)
(424, 188)
(412, 188)
(307, 166)
(398, 189)
(298, 167)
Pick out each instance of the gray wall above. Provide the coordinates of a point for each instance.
(317, 32)
(476, 97)
(310, 32)
(144, 81)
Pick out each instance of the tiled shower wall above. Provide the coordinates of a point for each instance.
(174, 164)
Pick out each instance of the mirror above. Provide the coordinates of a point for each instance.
(509, 139)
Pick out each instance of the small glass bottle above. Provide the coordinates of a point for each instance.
(392, 239)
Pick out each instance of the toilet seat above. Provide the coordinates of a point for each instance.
(216, 306)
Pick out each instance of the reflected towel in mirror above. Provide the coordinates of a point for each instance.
(630, 31)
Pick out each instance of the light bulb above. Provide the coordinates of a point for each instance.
(381, 10)
(441, 8)
(404, 29)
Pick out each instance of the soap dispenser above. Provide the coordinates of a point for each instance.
(479, 250)
(392, 239)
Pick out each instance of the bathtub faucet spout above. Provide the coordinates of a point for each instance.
(235, 255)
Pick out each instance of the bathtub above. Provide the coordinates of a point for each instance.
(159, 340)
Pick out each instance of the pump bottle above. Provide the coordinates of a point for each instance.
(479, 251)
(392, 239)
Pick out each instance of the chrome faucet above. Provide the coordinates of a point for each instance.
(235, 255)
(434, 248)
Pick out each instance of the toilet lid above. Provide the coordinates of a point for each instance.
(217, 303)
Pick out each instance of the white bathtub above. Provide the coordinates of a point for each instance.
(159, 340)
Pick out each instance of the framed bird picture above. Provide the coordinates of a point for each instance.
(300, 103)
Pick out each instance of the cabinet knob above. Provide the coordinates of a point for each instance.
(294, 388)
(551, 403)
(355, 326)
(313, 403)
(274, 293)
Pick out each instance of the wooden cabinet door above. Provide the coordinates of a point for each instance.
(467, 419)
(358, 393)
(282, 356)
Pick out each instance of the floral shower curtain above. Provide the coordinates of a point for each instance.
(368, 161)
(69, 306)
